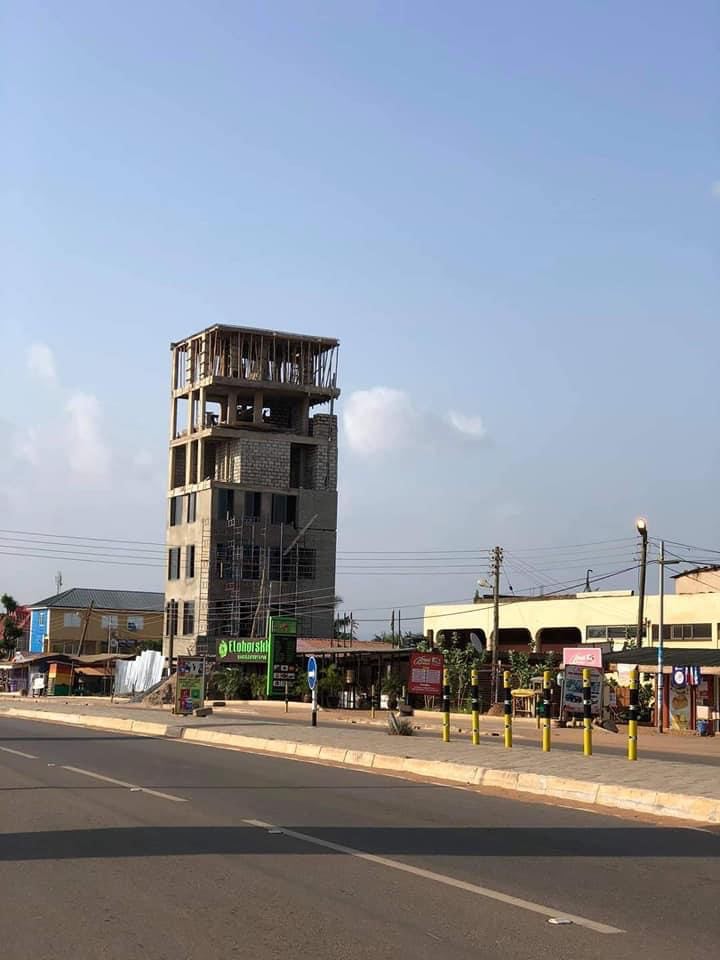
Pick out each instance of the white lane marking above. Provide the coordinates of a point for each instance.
(444, 879)
(19, 753)
(123, 783)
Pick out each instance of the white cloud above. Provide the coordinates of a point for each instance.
(379, 419)
(472, 426)
(86, 451)
(26, 446)
(383, 419)
(715, 189)
(41, 362)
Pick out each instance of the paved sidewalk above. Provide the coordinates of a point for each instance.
(525, 730)
(661, 787)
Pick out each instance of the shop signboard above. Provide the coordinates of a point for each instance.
(244, 650)
(426, 671)
(582, 657)
(189, 684)
(282, 655)
(572, 694)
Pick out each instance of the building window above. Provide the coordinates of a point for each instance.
(190, 561)
(171, 617)
(250, 562)
(306, 563)
(191, 507)
(176, 505)
(71, 619)
(684, 631)
(135, 624)
(225, 504)
(284, 508)
(602, 634)
(253, 505)
(109, 621)
(188, 617)
(174, 563)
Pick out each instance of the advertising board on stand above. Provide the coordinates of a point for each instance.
(426, 671)
(189, 685)
(572, 691)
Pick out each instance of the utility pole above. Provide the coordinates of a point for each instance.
(497, 556)
(641, 526)
(58, 581)
(172, 616)
(659, 682)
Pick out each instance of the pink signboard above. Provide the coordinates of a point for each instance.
(582, 657)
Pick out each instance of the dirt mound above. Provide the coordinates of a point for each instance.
(165, 693)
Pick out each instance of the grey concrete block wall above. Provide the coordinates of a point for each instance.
(264, 462)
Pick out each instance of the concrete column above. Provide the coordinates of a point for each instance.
(232, 407)
(201, 408)
(258, 407)
(188, 461)
(201, 460)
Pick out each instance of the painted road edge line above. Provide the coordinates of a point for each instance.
(123, 783)
(19, 753)
(473, 888)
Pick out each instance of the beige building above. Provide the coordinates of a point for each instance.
(252, 485)
(692, 619)
(699, 580)
(84, 621)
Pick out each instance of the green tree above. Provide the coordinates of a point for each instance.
(11, 631)
(461, 658)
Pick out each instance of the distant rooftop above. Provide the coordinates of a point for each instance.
(328, 342)
(711, 568)
(78, 598)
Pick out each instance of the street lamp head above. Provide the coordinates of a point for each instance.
(641, 526)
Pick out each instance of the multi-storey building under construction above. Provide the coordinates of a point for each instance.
(252, 488)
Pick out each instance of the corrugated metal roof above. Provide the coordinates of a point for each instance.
(140, 601)
(672, 657)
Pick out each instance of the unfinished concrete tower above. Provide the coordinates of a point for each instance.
(252, 488)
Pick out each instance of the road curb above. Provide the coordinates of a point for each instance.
(593, 793)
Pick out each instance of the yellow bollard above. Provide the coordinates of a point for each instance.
(587, 713)
(546, 712)
(446, 708)
(475, 705)
(507, 708)
(634, 710)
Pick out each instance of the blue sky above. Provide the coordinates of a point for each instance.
(509, 211)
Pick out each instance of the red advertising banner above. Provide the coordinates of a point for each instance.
(426, 670)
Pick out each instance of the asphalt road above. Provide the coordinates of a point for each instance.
(191, 851)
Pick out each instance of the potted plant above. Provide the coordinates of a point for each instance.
(392, 688)
(257, 686)
(330, 685)
(301, 688)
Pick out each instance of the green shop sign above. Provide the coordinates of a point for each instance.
(244, 651)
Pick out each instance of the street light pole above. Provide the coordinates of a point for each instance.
(641, 526)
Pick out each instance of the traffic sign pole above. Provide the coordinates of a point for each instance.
(312, 678)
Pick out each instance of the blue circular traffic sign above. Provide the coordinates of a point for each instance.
(312, 673)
